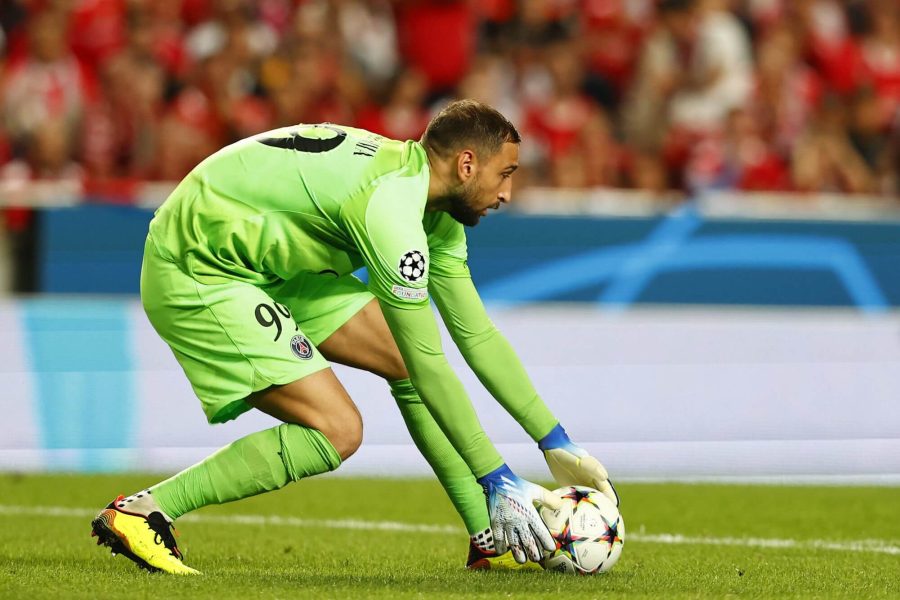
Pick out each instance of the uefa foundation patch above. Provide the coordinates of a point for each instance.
(301, 347)
(409, 293)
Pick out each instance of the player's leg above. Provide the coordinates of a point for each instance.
(365, 342)
(319, 402)
(239, 349)
(321, 428)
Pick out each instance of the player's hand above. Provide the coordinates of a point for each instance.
(516, 524)
(572, 465)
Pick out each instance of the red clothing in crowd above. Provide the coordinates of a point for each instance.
(437, 38)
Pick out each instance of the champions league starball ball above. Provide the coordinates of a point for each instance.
(588, 530)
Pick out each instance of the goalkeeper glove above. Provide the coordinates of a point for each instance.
(516, 524)
(572, 465)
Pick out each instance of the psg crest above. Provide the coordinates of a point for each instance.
(301, 347)
(412, 265)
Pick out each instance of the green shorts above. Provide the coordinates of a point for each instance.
(233, 338)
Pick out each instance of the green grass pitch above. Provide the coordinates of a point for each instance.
(373, 538)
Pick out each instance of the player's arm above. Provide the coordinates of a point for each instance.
(497, 366)
(417, 336)
(514, 521)
(387, 227)
(394, 247)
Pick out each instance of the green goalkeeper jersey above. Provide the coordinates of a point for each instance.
(314, 198)
(326, 198)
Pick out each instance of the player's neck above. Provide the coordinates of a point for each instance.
(440, 183)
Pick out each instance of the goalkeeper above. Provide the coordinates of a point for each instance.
(247, 275)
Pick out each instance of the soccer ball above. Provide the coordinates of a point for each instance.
(412, 265)
(588, 530)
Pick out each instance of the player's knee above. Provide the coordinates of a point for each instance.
(346, 436)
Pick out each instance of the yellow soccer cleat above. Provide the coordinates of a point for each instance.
(480, 559)
(145, 539)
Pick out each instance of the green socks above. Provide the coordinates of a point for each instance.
(453, 473)
(260, 462)
(270, 459)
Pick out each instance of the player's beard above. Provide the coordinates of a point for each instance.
(461, 200)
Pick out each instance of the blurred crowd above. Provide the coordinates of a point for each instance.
(798, 95)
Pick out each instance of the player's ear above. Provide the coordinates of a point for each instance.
(465, 166)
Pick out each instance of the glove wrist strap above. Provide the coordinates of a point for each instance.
(557, 438)
(496, 474)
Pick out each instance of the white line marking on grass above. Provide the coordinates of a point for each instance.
(876, 546)
(61, 511)
(864, 545)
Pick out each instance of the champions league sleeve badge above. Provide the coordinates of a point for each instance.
(412, 266)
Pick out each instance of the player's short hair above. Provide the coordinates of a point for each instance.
(469, 124)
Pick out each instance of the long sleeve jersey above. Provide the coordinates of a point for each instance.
(327, 198)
